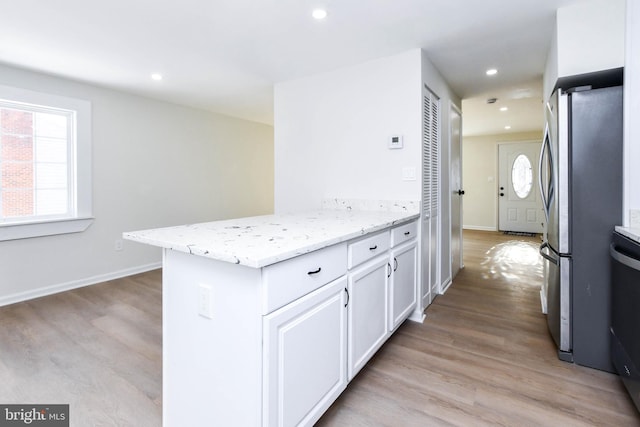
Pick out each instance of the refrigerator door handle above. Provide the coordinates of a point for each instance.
(624, 259)
(540, 162)
(545, 195)
(546, 256)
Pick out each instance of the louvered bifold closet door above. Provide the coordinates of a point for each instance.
(430, 195)
(430, 154)
(426, 156)
(434, 158)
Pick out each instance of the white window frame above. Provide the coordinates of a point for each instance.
(83, 185)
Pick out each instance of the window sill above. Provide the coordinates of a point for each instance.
(44, 228)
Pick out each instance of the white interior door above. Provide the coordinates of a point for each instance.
(456, 190)
(430, 197)
(519, 204)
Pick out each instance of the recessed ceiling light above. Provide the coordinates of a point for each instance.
(503, 108)
(492, 72)
(319, 14)
(156, 76)
(507, 127)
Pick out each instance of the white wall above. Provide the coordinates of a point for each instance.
(632, 107)
(154, 164)
(589, 37)
(332, 129)
(480, 177)
(551, 67)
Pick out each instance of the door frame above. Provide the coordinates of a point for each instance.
(453, 106)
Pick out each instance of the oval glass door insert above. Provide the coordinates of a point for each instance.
(522, 176)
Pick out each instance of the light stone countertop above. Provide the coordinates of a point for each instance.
(632, 233)
(263, 240)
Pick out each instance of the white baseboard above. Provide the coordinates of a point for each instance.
(54, 289)
(417, 316)
(478, 228)
(445, 286)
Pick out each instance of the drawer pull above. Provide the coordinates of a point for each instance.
(373, 248)
(623, 259)
(406, 233)
(314, 272)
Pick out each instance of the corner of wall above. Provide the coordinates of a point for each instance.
(551, 67)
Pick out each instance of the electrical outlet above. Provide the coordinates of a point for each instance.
(118, 245)
(205, 301)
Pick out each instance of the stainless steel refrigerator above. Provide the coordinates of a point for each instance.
(581, 187)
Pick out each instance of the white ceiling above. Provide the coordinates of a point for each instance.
(524, 110)
(226, 55)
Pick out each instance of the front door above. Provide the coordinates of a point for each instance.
(519, 204)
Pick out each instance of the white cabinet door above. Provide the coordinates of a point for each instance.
(403, 283)
(305, 350)
(368, 311)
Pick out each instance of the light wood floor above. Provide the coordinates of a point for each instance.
(98, 349)
(482, 357)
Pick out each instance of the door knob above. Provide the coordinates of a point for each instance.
(501, 188)
(501, 194)
(460, 192)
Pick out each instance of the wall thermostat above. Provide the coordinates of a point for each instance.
(395, 141)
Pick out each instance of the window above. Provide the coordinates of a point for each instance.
(522, 176)
(45, 164)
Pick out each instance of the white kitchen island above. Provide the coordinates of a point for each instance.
(266, 319)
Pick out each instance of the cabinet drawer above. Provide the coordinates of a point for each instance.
(288, 280)
(368, 248)
(403, 233)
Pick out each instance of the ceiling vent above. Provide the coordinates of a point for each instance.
(491, 100)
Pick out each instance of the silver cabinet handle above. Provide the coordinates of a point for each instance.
(624, 259)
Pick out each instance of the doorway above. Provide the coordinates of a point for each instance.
(519, 204)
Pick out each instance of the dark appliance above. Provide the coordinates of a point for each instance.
(625, 312)
(581, 187)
